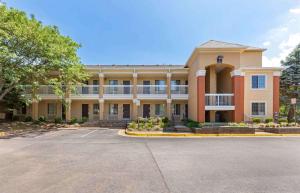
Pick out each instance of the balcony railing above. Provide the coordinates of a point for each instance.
(179, 89)
(219, 99)
(117, 89)
(86, 90)
(151, 89)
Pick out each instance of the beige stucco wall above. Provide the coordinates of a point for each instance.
(258, 95)
(76, 109)
(192, 102)
(251, 59)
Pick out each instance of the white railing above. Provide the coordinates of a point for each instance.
(42, 90)
(151, 89)
(86, 90)
(117, 89)
(219, 99)
(179, 89)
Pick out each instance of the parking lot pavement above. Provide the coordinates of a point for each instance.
(99, 160)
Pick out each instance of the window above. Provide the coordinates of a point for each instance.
(113, 109)
(174, 85)
(258, 109)
(160, 86)
(113, 89)
(220, 59)
(51, 108)
(258, 81)
(159, 109)
(96, 86)
(96, 109)
(176, 109)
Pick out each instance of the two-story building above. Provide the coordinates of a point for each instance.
(220, 82)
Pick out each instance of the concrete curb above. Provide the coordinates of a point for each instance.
(140, 134)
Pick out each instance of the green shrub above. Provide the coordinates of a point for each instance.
(192, 124)
(57, 120)
(15, 118)
(271, 125)
(283, 124)
(165, 120)
(28, 119)
(42, 119)
(256, 120)
(132, 126)
(282, 120)
(292, 124)
(268, 120)
(242, 124)
(73, 120)
(84, 119)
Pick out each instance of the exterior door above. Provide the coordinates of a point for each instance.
(146, 88)
(85, 110)
(146, 110)
(126, 111)
(126, 84)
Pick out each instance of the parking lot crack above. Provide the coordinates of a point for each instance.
(159, 170)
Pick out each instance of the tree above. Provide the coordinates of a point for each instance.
(33, 54)
(290, 79)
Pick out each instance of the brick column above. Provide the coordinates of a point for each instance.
(135, 104)
(237, 78)
(68, 109)
(101, 83)
(276, 86)
(35, 109)
(101, 109)
(169, 109)
(201, 95)
(169, 75)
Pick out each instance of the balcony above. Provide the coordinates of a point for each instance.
(117, 92)
(86, 92)
(219, 102)
(44, 91)
(152, 92)
(179, 92)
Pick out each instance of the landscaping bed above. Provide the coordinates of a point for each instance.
(286, 130)
(224, 130)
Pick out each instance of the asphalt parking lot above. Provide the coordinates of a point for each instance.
(99, 160)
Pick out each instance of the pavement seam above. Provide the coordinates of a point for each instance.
(159, 170)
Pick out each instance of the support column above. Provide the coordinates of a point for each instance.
(101, 109)
(68, 110)
(169, 109)
(200, 74)
(276, 87)
(169, 76)
(136, 104)
(134, 85)
(35, 109)
(238, 95)
(101, 83)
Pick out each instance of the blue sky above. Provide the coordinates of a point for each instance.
(166, 31)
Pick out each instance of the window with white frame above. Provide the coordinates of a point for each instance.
(113, 109)
(51, 109)
(159, 109)
(258, 108)
(258, 81)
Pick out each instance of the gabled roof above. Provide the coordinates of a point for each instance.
(214, 44)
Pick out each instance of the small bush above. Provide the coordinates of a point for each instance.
(256, 120)
(84, 119)
(271, 125)
(282, 120)
(15, 118)
(283, 124)
(268, 120)
(192, 124)
(42, 119)
(132, 126)
(57, 120)
(73, 120)
(292, 124)
(28, 119)
(165, 120)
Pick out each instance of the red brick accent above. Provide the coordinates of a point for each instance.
(238, 98)
(201, 98)
(276, 84)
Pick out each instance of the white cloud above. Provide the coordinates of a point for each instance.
(283, 39)
(267, 43)
(295, 11)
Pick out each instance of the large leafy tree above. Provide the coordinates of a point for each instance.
(290, 80)
(33, 54)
